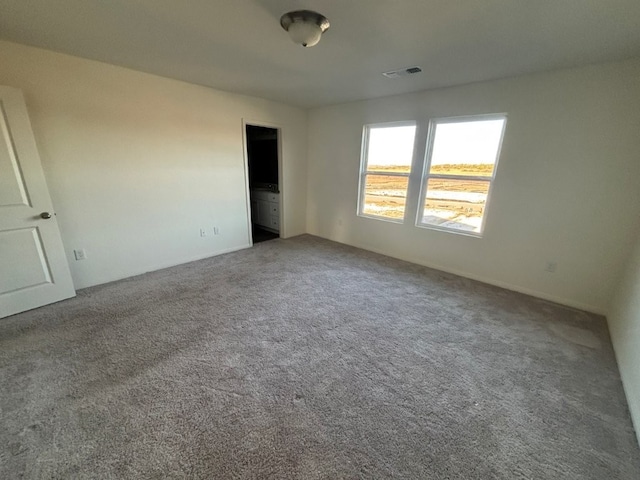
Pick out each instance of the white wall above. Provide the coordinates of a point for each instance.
(624, 326)
(136, 163)
(566, 187)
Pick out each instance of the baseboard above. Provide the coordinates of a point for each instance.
(627, 386)
(162, 266)
(490, 281)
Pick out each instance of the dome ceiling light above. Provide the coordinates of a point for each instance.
(305, 27)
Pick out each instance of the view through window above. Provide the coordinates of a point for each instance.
(462, 156)
(386, 166)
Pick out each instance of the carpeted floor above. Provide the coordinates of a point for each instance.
(306, 359)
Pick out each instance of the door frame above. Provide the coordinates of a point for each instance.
(245, 152)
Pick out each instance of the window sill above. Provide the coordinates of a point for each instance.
(455, 231)
(382, 219)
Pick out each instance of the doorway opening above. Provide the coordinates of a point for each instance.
(264, 186)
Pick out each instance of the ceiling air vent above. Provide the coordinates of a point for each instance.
(402, 72)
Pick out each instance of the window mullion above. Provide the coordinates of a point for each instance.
(459, 177)
(384, 174)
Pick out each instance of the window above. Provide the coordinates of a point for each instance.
(387, 153)
(462, 155)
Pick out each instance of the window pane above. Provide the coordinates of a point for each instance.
(390, 149)
(457, 204)
(466, 148)
(385, 196)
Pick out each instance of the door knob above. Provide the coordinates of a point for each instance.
(45, 215)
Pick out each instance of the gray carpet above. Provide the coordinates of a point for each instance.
(303, 358)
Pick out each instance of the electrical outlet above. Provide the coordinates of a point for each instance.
(216, 231)
(203, 232)
(80, 254)
(551, 267)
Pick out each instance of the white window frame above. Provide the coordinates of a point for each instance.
(427, 167)
(364, 158)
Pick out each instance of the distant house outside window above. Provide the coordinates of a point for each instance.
(387, 155)
(461, 161)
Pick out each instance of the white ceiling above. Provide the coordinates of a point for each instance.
(239, 46)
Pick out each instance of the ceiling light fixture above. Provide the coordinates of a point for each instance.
(304, 26)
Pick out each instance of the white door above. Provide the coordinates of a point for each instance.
(33, 267)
